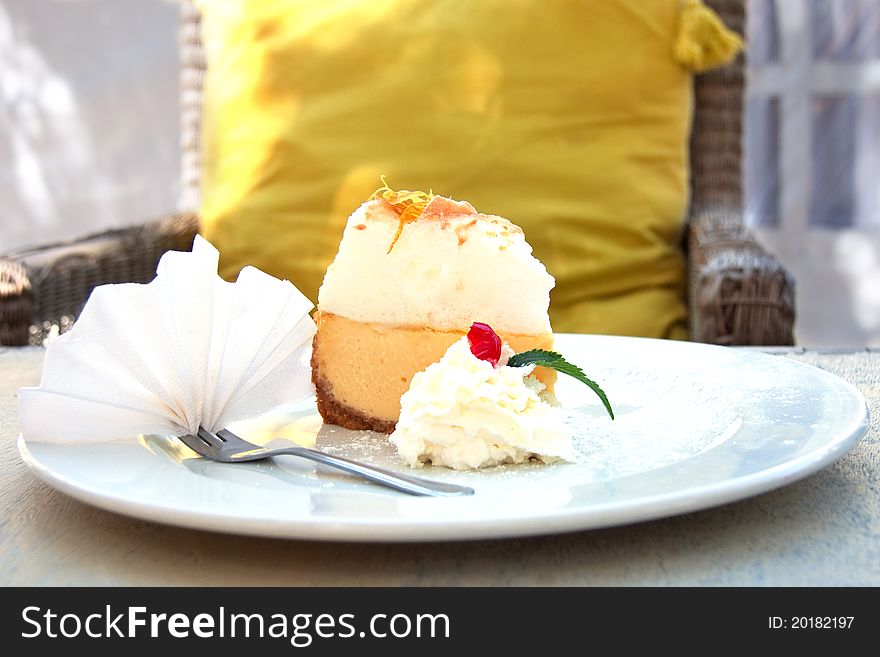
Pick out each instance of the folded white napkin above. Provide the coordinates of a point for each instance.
(185, 350)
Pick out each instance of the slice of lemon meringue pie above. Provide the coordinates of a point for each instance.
(413, 272)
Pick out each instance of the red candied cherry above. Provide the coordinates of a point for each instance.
(485, 343)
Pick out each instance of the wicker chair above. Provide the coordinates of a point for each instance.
(738, 294)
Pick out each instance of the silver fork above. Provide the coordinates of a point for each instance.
(227, 447)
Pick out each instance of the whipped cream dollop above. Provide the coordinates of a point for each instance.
(463, 413)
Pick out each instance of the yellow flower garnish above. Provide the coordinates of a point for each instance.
(408, 205)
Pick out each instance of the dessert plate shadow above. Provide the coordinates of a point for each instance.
(697, 426)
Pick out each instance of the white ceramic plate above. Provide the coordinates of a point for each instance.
(697, 426)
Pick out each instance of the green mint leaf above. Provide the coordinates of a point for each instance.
(534, 357)
(556, 362)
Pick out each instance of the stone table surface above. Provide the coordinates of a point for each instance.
(822, 530)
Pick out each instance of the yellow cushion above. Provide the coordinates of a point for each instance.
(569, 118)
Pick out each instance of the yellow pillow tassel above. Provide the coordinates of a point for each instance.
(703, 41)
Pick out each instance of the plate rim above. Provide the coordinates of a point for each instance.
(370, 530)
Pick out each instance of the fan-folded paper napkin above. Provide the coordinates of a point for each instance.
(185, 350)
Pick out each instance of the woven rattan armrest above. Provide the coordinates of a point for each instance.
(49, 285)
(739, 294)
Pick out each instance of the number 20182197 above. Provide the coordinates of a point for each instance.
(810, 622)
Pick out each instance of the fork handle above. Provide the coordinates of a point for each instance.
(405, 483)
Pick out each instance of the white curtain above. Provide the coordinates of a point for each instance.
(89, 116)
(812, 169)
